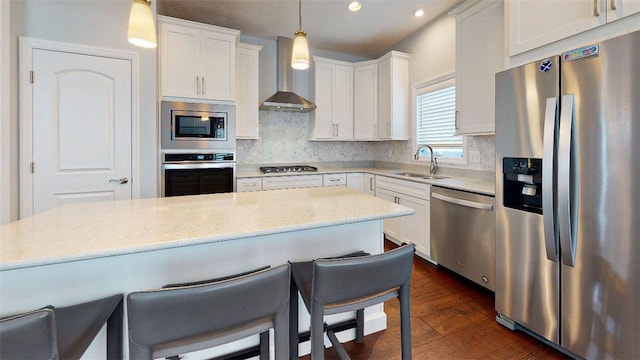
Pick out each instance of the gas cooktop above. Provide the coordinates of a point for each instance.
(287, 168)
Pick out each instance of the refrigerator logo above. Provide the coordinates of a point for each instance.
(580, 53)
(546, 65)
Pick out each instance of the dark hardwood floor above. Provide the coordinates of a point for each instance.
(451, 318)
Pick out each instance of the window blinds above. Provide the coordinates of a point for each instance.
(436, 111)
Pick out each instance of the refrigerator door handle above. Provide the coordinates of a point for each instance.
(567, 236)
(548, 215)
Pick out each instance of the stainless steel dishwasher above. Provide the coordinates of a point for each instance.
(463, 234)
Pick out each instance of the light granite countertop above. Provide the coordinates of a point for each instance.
(93, 230)
(476, 185)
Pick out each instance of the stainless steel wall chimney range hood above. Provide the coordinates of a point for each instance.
(285, 100)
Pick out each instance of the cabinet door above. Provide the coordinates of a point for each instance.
(391, 226)
(218, 64)
(355, 181)
(617, 9)
(247, 91)
(370, 184)
(343, 102)
(393, 96)
(384, 99)
(415, 228)
(365, 102)
(479, 46)
(179, 60)
(533, 23)
(324, 101)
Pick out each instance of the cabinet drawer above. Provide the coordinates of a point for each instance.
(291, 182)
(249, 184)
(334, 179)
(412, 188)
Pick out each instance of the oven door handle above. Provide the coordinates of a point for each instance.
(183, 166)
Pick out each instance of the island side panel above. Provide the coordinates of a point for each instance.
(73, 282)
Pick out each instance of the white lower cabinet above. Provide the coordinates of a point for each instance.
(291, 182)
(355, 181)
(249, 184)
(407, 229)
(334, 179)
(369, 184)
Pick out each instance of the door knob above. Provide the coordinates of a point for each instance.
(122, 180)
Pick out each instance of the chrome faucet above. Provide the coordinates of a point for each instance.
(433, 167)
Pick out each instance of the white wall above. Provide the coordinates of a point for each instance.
(432, 49)
(99, 23)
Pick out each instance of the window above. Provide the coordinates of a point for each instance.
(435, 103)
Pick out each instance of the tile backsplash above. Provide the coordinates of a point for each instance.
(284, 139)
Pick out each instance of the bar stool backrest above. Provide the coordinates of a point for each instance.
(30, 335)
(346, 279)
(166, 322)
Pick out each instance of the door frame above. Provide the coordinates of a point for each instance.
(5, 114)
(26, 47)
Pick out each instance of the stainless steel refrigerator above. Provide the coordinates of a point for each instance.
(568, 199)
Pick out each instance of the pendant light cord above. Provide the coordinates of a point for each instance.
(300, 14)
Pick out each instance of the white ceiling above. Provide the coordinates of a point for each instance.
(370, 32)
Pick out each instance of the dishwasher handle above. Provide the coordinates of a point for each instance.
(462, 202)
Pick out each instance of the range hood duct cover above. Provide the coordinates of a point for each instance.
(285, 100)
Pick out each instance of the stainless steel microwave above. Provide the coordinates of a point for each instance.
(197, 126)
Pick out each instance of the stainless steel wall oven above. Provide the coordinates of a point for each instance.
(197, 173)
(197, 126)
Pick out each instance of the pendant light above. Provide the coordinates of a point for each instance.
(142, 30)
(300, 53)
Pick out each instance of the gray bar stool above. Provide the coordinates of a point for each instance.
(74, 328)
(176, 320)
(30, 335)
(350, 283)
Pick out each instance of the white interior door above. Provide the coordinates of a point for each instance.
(82, 115)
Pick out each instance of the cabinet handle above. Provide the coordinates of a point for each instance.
(197, 85)
(596, 13)
(613, 5)
(204, 91)
(371, 184)
(455, 120)
(337, 130)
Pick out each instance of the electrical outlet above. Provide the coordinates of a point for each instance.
(474, 157)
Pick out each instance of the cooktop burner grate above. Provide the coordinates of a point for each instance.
(287, 169)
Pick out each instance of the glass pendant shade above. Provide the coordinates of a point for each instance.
(142, 30)
(300, 53)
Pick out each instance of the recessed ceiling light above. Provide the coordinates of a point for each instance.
(418, 12)
(354, 5)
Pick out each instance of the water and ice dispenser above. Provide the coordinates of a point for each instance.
(522, 184)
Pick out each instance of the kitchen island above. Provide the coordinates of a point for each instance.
(81, 252)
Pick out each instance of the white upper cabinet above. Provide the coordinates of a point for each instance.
(197, 61)
(393, 96)
(247, 91)
(368, 100)
(479, 55)
(365, 101)
(534, 23)
(332, 92)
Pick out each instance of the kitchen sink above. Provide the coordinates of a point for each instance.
(421, 176)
